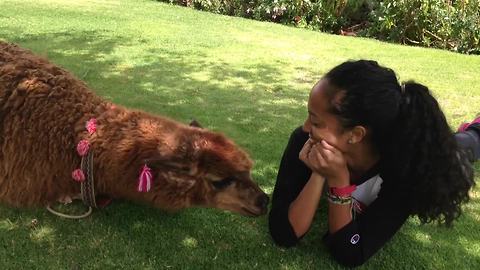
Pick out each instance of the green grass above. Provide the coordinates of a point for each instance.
(247, 79)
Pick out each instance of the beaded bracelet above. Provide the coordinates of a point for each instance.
(335, 199)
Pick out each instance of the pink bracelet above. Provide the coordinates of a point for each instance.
(343, 191)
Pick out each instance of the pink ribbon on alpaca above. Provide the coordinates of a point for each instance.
(145, 179)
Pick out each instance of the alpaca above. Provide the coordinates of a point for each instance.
(43, 114)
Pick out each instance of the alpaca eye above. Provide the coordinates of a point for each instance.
(225, 182)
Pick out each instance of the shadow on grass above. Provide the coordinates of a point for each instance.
(252, 105)
(434, 247)
(248, 109)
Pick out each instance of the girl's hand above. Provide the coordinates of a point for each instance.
(303, 156)
(328, 161)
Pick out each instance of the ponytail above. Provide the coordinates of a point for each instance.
(426, 158)
(408, 129)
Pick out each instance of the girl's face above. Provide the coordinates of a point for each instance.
(320, 123)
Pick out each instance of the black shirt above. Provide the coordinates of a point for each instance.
(360, 239)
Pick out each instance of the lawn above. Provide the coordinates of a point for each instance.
(247, 79)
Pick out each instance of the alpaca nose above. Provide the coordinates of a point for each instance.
(262, 202)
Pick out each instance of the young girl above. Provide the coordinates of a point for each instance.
(383, 152)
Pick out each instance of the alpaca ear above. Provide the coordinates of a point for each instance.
(195, 123)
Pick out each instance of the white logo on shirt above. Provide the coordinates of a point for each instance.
(355, 238)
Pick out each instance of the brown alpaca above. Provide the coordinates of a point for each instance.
(43, 111)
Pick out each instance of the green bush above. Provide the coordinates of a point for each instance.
(327, 16)
(447, 24)
(453, 25)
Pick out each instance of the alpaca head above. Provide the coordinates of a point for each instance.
(209, 170)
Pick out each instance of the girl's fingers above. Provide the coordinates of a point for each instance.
(308, 144)
(309, 153)
(307, 148)
(325, 153)
(320, 160)
(316, 159)
(328, 146)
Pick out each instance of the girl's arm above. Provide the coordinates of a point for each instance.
(292, 177)
(303, 208)
(339, 215)
(357, 241)
(326, 160)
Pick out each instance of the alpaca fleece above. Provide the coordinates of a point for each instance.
(43, 111)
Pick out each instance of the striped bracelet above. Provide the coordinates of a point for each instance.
(341, 200)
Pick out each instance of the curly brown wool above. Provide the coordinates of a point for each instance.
(43, 111)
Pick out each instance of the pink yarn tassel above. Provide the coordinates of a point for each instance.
(82, 147)
(78, 175)
(91, 126)
(145, 179)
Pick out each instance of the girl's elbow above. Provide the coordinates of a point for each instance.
(348, 262)
(350, 258)
(281, 236)
(282, 242)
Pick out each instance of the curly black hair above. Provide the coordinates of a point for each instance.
(408, 128)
